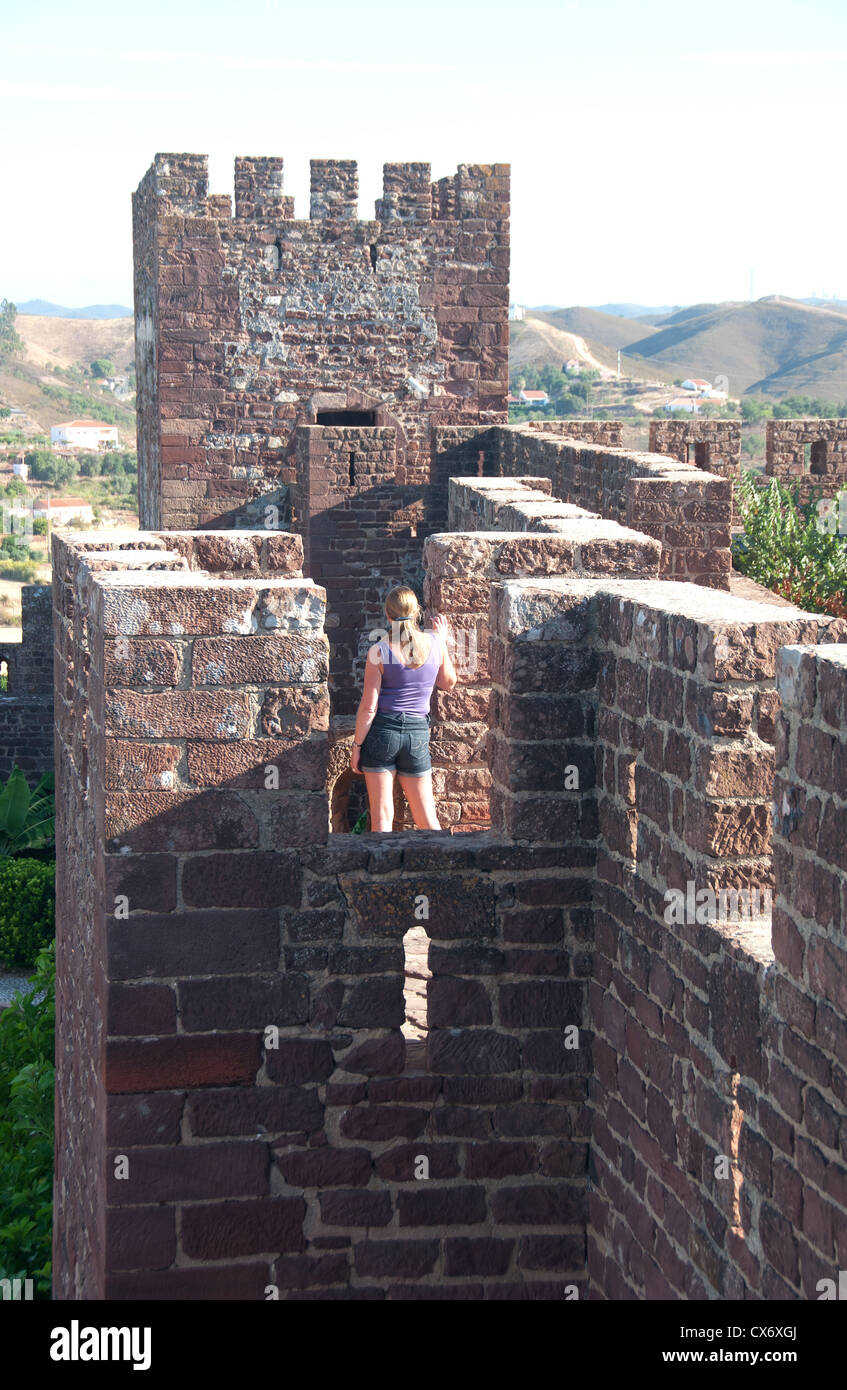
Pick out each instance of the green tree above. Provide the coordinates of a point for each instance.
(9, 341)
(15, 548)
(102, 366)
(571, 404)
(16, 487)
(50, 468)
(754, 408)
(42, 465)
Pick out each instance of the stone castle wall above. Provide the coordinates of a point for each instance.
(688, 510)
(713, 445)
(26, 733)
(808, 454)
(571, 1028)
(610, 1102)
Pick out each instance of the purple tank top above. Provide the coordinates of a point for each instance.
(407, 689)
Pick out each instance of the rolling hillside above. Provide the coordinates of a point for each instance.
(60, 311)
(543, 339)
(773, 346)
(33, 384)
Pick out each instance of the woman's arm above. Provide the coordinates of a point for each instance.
(446, 678)
(368, 702)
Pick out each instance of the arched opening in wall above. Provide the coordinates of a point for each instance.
(4, 677)
(348, 794)
(416, 978)
(817, 457)
(348, 807)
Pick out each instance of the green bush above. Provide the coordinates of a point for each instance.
(784, 548)
(27, 814)
(20, 571)
(27, 1082)
(15, 548)
(27, 909)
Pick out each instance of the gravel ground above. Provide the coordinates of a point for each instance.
(10, 983)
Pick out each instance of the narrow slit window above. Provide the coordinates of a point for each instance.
(417, 974)
(346, 417)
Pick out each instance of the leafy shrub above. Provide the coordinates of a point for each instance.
(46, 467)
(27, 815)
(20, 571)
(784, 547)
(27, 1080)
(27, 909)
(16, 548)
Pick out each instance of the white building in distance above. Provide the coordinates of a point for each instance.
(85, 434)
(62, 509)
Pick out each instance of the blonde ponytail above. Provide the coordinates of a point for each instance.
(403, 612)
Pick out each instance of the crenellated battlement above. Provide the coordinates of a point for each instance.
(180, 184)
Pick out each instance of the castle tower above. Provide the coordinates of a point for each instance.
(251, 324)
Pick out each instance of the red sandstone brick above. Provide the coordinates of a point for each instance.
(221, 1230)
(142, 1238)
(192, 943)
(150, 1064)
(177, 1173)
(236, 1281)
(325, 1167)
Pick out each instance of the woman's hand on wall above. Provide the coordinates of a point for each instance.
(440, 626)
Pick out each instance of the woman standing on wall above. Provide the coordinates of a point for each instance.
(392, 723)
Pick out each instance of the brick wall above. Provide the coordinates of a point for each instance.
(198, 907)
(26, 710)
(804, 1234)
(249, 325)
(460, 571)
(697, 1186)
(809, 453)
(713, 445)
(689, 511)
(601, 432)
(360, 538)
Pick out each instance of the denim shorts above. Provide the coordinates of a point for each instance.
(397, 743)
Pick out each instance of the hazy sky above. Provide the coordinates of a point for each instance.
(659, 151)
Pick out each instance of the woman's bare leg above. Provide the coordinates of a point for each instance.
(418, 793)
(380, 787)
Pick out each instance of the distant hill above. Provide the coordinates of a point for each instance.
(606, 329)
(44, 308)
(634, 311)
(773, 346)
(38, 384)
(543, 339)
